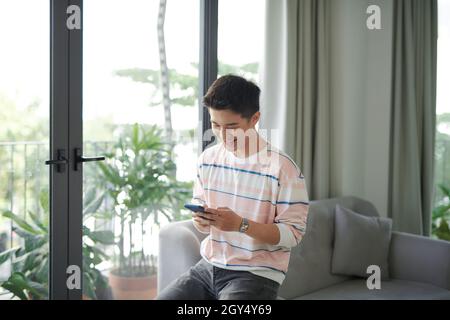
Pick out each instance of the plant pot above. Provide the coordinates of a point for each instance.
(133, 288)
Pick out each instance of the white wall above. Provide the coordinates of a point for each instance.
(360, 99)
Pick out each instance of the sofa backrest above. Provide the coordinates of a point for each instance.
(310, 263)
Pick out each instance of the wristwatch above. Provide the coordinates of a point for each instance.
(244, 225)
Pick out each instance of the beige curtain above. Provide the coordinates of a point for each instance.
(413, 115)
(327, 109)
(295, 86)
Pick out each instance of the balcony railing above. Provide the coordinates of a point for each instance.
(24, 183)
(23, 174)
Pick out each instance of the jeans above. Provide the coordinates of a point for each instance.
(207, 282)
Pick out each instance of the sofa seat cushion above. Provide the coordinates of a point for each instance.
(393, 289)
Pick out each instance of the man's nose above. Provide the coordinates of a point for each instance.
(223, 133)
(227, 135)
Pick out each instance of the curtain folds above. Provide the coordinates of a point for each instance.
(295, 83)
(413, 115)
(295, 100)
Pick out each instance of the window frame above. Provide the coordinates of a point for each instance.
(208, 62)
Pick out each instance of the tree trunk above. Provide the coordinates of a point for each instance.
(165, 84)
(121, 244)
(130, 254)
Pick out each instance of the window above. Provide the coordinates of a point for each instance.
(128, 115)
(241, 37)
(441, 220)
(24, 142)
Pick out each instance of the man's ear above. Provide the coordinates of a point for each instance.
(255, 118)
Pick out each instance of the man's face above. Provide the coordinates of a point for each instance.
(232, 129)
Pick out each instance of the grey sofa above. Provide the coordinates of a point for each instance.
(419, 267)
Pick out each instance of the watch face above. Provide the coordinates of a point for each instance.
(244, 225)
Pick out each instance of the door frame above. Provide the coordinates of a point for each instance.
(65, 134)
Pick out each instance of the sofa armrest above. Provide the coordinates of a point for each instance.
(179, 249)
(421, 259)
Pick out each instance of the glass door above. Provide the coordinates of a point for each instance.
(81, 81)
(24, 147)
(140, 110)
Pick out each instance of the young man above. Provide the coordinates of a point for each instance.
(255, 199)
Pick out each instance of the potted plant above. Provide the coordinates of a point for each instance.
(441, 216)
(29, 262)
(140, 176)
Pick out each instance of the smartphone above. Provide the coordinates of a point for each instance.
(194, 207)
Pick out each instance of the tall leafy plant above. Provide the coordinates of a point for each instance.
(441, 215)
(141, 181)
(30, 260)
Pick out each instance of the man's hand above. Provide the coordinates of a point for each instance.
(200, 224)
(199, 220)
(223, 218)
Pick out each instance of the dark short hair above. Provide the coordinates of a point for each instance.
(231, 92)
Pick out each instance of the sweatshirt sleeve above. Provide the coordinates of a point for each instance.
(292, 207)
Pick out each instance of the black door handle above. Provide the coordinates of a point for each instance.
(56, 161)
(60, 161)
(79, 159)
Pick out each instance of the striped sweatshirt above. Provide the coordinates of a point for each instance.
(267, 187)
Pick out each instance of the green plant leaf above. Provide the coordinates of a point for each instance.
(14, 289)
(103, 236)
(18, 284)
(92, 207)
(99, 252)
(106, 215)
(445, 190)
(42, 270)
(89, 195)
(39, 290)
(111, 174)
(37, 222)
(443, 231)
(7, 254)
(441, 211)
(32, 261)
(135, 138)
(31, 241)
(21, 223)
(44, 200)
(89, 286)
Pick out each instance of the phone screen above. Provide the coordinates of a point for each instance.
(194, 207)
